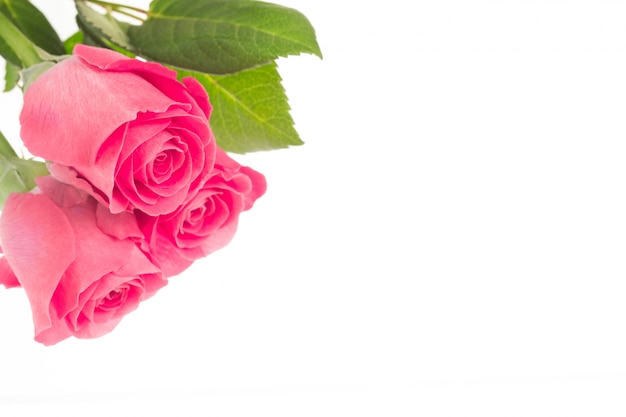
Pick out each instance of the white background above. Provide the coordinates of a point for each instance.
(450, 241)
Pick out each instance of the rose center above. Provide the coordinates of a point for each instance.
(196, 215)
(162, 166)
(114, 299)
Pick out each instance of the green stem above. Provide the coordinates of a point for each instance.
(5, 147)
(118, 7)
(125, 13)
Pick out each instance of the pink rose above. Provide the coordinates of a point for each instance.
(205, 223)
(125, 131)
(80, 281)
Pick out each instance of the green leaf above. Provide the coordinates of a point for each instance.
(18, 175)
(82, 36)
(11, 76)
(221, 36)
(5, 147)
(250, 110)
(103, 29)
(72, 41)
(33, 24)
(15, 47)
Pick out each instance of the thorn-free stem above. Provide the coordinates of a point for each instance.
(118, 7)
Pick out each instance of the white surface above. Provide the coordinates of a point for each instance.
(450, 241)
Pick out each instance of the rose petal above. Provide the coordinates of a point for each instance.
(106, 59)
(62, 194)
(257, 184)
(38, 242)
(69, 176)
(121, 226)
(7, 276)
(199, 94)
(99, 105)
(97, 255)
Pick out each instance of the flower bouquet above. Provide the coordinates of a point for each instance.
(131, 121)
